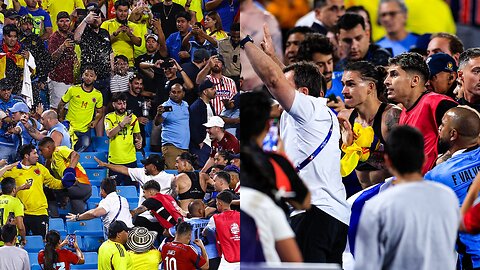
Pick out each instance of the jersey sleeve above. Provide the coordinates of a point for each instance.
(99, 100)
(65, 152)
(103, 203)
(136, 126)
(137, 175)
(149, 203)
(68, 95)
(71, 257)
(303, 108)
(108, 122)
(49, 180)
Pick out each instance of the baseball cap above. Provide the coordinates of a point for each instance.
(205, 85)
(441, 62)
(116, 227)
(215, 121)
(200, 55)
(234, 156)
(11, 14)
(232, 168)
(151, 36)
(5, 84)
(26, 19)
(19, 107)
(63, 15)
(154, 159)
(140, 239)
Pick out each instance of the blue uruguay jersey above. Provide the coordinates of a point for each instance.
(198, 224)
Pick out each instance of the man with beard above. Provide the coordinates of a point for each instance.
(225, 86)
(136, 103)
(122, 129)
(42, 22)
(153, 77)
(406, 77)
(64, 58)
(153, 170)
(458, 139)
(123, 33)
(230, 50)
(174, 116)
(84, 104)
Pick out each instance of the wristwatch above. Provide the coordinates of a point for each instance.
(245, 40)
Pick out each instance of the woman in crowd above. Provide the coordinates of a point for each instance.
(190, 184)
(54, 257)
(213, 25)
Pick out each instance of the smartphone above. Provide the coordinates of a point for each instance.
(168, 108)
(129, 112)
(168, 63)
(332, 97)
(81, 12)
(71, 240)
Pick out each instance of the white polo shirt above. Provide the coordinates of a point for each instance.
(163, 178)
(112, 203)
(303, 129)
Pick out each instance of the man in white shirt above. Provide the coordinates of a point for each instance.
(12, 257)
(153, 170)
(308, 129)
(112, 207)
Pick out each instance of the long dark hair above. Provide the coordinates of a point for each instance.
(51, 256)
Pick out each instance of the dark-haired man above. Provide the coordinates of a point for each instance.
(30, 172)
(174, 41)
(446, 43)
(327, 13)
(413, 219)
(405, 82)
(295, 37)
(311, 135)
(12, 207)
(112, 253)
(469, 63)
(12, 257)
(167, 12)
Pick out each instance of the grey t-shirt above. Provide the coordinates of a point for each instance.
(14, 258)
(409, 226)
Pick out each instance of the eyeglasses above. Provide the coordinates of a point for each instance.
(391, 14)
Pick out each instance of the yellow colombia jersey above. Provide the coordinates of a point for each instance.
(194, 6)
(53, 7)
(10, 207)
(61, 160)
(148, 260)
(112, 255)
(81, 106)
(218, 35)
(142, 49)
(121, 44)
(121, 149)
(33, 199)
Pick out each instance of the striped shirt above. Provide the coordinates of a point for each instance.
(226, 89)
(120, 83)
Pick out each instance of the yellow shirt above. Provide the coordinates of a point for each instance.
(121, 44)
(33, 199)
(121, 149)
(61, 160)
(112, 255)
(148, 260)
(218, 35)
(196, 6)
(22, 3)
(81, 106)
(139, 50)
(10, 207)
(53, 7)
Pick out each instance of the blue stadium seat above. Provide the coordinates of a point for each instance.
(34, 243)
(100, 144)
(95, 192)
(87, 161)
(33, 257)
(140, 157)
(93, 227)
(91, 243)
(96, 175)
(148, 129)
(58, 225)
(174, 172)
(91, 261)
(147, 144)
(127, 192)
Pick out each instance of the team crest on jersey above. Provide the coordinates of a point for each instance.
(94, 100)
(37, 171)
(234, 228)
(78, 96)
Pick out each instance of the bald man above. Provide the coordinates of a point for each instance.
(458, 139)
(52, 128)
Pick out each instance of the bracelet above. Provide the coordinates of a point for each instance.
(181, 70)
(77, 217)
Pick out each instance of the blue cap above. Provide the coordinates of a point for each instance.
(205, 85)
(441, 62)
(19, 107)
(232, 168)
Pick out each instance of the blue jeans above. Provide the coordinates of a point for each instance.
(83, 142)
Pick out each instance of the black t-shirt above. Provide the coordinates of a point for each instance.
(192, 71)
(167, 15)
(158, 81)
(96, 49)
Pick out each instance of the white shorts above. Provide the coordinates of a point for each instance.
(224, 265)
(57, 90)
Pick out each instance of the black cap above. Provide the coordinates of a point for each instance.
(156, 160)
(5, 84)
(26, 19)
(200, 55)
(11, 14)
(63, 15)
(93, 7)
(116, 227)
(205, 85)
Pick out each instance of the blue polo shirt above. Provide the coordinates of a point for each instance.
(174, 45)
(175, 126)
(8, 140)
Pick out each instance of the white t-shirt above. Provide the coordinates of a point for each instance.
(163, 178)
(409, 226)
(303, 129)
(210, 114)
(271, 222)
(14, 258)
(111, 204)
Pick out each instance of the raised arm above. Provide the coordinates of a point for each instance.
(270, 73)
(116, 168)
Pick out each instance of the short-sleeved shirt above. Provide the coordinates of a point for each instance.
(14, 258)
(225, 88)
(25, 136)
(163, 178)
(227, 11)
(112, 204)
(41, 19)
(65, 258)
(112, 255)
(10, 208)
(147, 260)
(122, 149)
(174, 45)
(54, 7)
(81, 106)
(63, 67)
(180, 256)
(122, 44)
(231, 56)
(227, 143)
(194, 46)
(61, 160)
(176, 125)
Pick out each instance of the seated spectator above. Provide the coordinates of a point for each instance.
(213, 26)
(54, 256)
(12, 257)
(142, 252)
(111, 208)
(121, 75)
(221, 158)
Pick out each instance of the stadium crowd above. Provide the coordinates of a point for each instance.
(361, 148)
(119, 134)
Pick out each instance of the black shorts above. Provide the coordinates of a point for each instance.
(38, 225)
